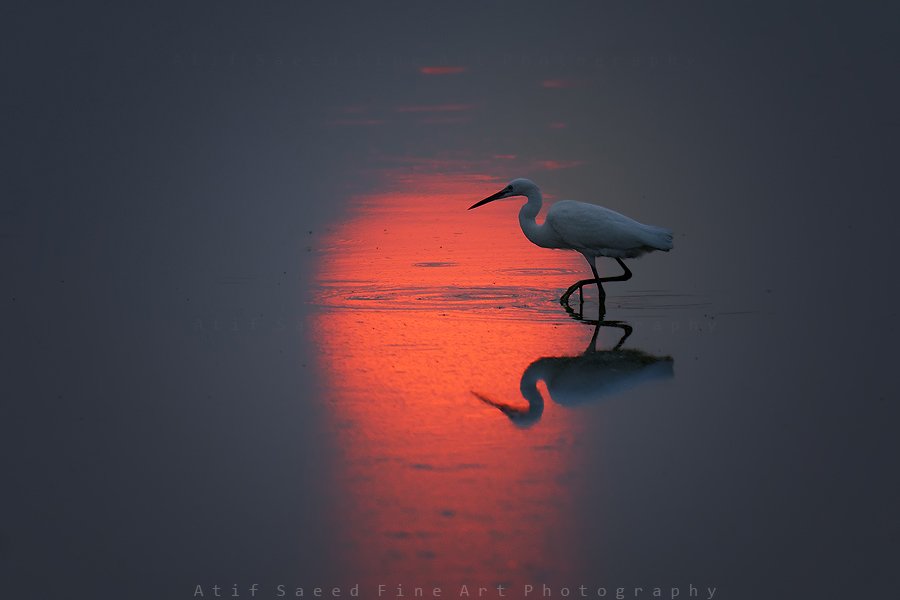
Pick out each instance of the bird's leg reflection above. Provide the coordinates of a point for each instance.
(579, 316)
(626, 331)
(591, 376)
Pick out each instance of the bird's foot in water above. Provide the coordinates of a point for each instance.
(578, 285)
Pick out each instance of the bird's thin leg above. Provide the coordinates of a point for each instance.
(592, 261)
(623, 277)
(578, 285)
(601, 302)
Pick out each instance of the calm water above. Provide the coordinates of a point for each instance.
(402, 401)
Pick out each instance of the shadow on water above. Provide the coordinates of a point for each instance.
(591, 376)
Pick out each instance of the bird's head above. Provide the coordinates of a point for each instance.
(516, 187)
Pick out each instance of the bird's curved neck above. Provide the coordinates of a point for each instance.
(529, 390)
(537, 234)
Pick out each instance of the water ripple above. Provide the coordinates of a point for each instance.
(507, 302)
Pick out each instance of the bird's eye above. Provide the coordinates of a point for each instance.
(509, 188)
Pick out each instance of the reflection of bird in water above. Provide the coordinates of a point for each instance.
(590, 229)
(589, 377)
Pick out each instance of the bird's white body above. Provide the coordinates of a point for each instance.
(586, 228)
(591, 230)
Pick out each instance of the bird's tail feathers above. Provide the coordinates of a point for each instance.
(659, 238)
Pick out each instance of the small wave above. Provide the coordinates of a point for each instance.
(435, 264)
(525, 272)
(494, 301)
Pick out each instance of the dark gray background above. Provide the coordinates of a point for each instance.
(154, 157)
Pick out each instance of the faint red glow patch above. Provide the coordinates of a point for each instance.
(440, 178)
(357, 122)
(442, 70)
(556, 84)
(425, 164)
(435, 108)
(445, 120)
(502, 167)
(558, 125)
(555, 165)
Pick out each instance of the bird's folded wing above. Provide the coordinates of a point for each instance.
(591, 227)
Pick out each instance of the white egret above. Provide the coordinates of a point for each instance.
(587, 228)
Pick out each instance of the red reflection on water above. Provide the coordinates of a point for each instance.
(422, 308)
(423, 220)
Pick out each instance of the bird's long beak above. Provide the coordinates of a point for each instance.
(497, 196)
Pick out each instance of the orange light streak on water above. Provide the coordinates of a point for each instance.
(425, 303)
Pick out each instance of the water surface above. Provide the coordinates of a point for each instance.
(443, 343)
